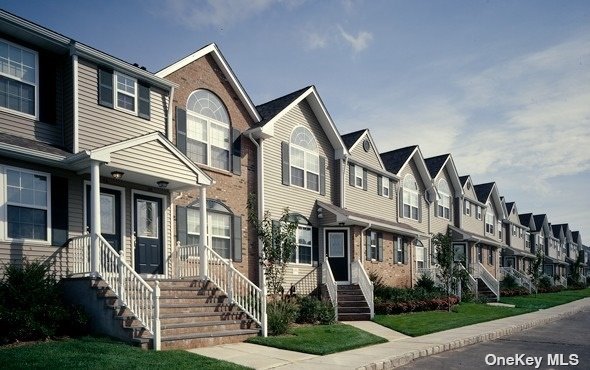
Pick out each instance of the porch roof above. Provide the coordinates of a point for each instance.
(354, 218)
(554, 260)
(461, 234)
(518, 252)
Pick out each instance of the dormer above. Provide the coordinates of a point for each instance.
(448, 187)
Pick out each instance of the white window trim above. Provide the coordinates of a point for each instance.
(439, 203)
(296, 256)
(306, 152)
(210, 229)
(116, 91)
(423, 260)
(467, 206)
(358, 169)
(478, 213)
(207, 143)
(4, 203)
(385, 187)
(490, 227)
(112, 187)
(407, 191)
(35, 85)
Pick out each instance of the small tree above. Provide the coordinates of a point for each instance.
(278, 244)
(445, 256)
(535, 269)
(575, 269)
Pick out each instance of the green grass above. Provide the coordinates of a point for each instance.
(546, 300)
(320, 339)
(421, 323)
(101, 353)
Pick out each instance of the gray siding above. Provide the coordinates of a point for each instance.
(412, 169)
(440, 224)
(370, 157)
(68, 106)
(369, 202)
(279, 196)
(27, 128)
(100, 126)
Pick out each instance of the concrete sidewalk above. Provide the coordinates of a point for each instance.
(398, 351)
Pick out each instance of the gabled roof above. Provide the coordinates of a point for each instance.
(436, 164)
(483, 191)
(214, 51)
(509, 206)
(557, 231)
(464, 179)
(541, 221)
(576, 237)
(275, 109)
(352, 138)
(394, 160)
(528, 220)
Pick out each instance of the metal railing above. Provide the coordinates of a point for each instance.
(133, 291)
(331, 286)
(360, 277)
(521, 279)
(488, 279)
(561, 281)
(472, 283)
(239, 289)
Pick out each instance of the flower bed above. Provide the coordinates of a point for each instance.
(396, 307)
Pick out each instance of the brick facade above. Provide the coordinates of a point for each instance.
(228, 188)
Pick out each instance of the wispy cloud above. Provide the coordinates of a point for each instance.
(315, 40)
(359, 42)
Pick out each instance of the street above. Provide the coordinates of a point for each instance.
(561, 344)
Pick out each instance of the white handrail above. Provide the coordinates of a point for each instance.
(433, 272)
(520, 278)
(360, 277)
(79, 250)
(471, 279)
(239, 289)
(133, 291)
(489, 280)
(332, 287)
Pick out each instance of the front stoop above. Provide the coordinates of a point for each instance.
(352, 305)
(484, 292)
(195, 313)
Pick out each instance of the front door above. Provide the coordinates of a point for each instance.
(110, 215)
(148, 234)
(337, 248)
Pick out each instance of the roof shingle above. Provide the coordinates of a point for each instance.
(395, 159)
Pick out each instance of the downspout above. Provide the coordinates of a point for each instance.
(169, 129)
(343, 182)
(75, 145)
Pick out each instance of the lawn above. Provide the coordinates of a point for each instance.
(320, 339)
(421, 323)
(546, 300)
(101, 353)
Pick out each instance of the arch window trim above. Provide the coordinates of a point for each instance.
(216, 212)
(489, 219)
(208, 130)
(303, 239)
(304, 160)
(411, 197)
(444, 203)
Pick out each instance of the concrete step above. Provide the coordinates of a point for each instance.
(194, 317)
(207, 339)
(190, 308)
(352, 303)
(194, 300)
(354, 316)
(346, 310)
(170, 330)
(181, 283)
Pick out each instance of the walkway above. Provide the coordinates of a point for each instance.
(398, 351)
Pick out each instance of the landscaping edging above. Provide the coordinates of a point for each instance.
(403, 359)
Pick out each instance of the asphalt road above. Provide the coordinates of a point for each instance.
(562, 344)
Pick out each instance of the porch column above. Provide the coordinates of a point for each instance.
(203, 232)
(95, 215)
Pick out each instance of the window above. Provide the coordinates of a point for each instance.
(27, 204)
(410, 197)
(126, 92)
(304, 159)
(358, 177)
(467, 208)
(490, 256)
(218, 224)
(500, 229)
(208, 130)
(480, 253)
(372, 244)
(514, 230)
(519, 232)
(527, 241)
(18, 79)
(444, 204)
(399, 250)
(478, 213)
(489, 219)
(385, 187)
(420, 255)
(304, 240)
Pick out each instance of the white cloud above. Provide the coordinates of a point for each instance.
(314, 40)
(359, 42)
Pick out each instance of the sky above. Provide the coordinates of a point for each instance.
(504, 86)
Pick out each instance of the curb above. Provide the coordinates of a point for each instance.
(400, 360)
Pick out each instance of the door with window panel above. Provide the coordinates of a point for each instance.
(337, 247)
(148, 215)
(110, 215)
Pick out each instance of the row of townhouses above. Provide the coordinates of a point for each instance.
(143, 178)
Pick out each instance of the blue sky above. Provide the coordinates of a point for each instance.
(502, 85)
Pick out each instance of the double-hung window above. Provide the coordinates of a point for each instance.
(478, 213)
(513, 230)
(489, 219)
(467, 208)
(372, 245)
(304, 241)
(480, 253)
(444, 203)
(304, 159)
(19, 85)
(420, 255)
(490, 256)
(27, 204)
(385, 187)
(527, 240)
(219, 230)
(208, 130)
(126, 92)
(358, 177)
(410, 198)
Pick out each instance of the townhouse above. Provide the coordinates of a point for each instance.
(517, 253)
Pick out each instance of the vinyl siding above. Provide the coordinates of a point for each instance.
(152, 158)
(100, 126)
(303, 278)
(515, 241)
(68, 106)
(440, 224)
(279, 196)
(470, 222)
(369, 202)
(370, 157)
(412, 169)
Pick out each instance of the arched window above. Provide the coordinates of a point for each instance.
(421, 255)
(304, 159)
(219, 225)
(444, 203)
(303, 238)
(410, 197)
(490, 219)
(208, 130)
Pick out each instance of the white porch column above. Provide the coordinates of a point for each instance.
(203, 232)
(95, 215)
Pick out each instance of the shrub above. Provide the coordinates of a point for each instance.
(313, 310)
(506, 292)
(396, 307)
(426, 282)
(280, 315)
(326, 314)
(31, 306)
(509, 282)
(545, 282)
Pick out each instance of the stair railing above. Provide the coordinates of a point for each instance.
(489, 280)
(520, 278)
(186, 261)
(332, 287)
(360, 277)
(471, 282)
(131, 289)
